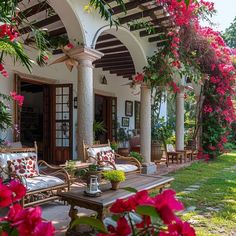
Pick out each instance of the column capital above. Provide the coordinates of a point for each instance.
(84, 53)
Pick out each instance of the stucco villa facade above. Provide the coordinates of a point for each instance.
(67, 102)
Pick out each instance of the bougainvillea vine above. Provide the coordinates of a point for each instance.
(201, 54)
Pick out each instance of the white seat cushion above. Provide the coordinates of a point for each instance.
(41, 182)
(124, 167)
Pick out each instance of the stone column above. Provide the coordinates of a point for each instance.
(145, 130)
(85, 57)
(180, 121)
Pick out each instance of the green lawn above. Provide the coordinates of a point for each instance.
(211, 207)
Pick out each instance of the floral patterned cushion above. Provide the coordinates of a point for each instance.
(6, 157)
(25, 166)
(104, 156)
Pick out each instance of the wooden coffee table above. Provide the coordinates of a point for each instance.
(108, 197)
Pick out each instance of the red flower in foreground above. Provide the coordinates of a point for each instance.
(179, 228)
(45, 227)
(28, 221)
(166, 204)
(18, 190)
(5, 195)
(122, 229)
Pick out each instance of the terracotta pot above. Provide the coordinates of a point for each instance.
(115, 185)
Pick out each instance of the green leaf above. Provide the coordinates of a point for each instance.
(129, 189)
(14, 232)
(147, 211)
(95, 223)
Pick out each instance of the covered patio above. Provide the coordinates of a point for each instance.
(129, 103)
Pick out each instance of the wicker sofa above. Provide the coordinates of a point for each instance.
(43, 185)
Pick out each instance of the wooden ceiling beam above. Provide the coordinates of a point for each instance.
(139, 15)
(105, 37)
(116, 49)
(157, 38)
(120, 64)
(42, 6)
(114, 60)
(122, 55)
(155, 22)
(113, 63)
(118, 67)
(122, 72)
(128, 6)
(157, 30)
(40, 24)
(57, 32)
(160, 44)
(108, 44)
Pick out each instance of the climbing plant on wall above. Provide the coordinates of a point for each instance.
(200, 54)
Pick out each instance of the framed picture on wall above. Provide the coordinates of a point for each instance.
(125, 121)
(128, 108)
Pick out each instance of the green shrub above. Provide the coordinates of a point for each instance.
(114, 175)
(137, 155)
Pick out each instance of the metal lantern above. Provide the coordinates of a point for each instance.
(92, 188)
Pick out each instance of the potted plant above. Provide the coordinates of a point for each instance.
(137, 155)
(85, 173)
(162, 131)
(98, 129)
(115, 177)
(71, 167)
(122, 138)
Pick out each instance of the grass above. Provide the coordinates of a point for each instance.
(215, 200)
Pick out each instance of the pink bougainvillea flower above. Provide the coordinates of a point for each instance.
(179, 228)
(18, 98)
(138, 78)
(45, 227)
(3, 71)
(5, 195)
(18, 190)
(122, 229)
(122, 205)
(166, 204)
(174, 86)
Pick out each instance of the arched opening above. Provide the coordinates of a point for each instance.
(117, 107)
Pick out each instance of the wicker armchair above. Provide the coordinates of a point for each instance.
(127, 164)
(41, 188)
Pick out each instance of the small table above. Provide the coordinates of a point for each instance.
(108, 197)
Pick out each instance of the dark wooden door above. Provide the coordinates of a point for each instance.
(47, 152)
(106, 112)
(62, 122)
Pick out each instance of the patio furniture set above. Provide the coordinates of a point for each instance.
(46, 183)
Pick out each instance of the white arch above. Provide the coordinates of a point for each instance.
(70, 19)
(130, 41)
